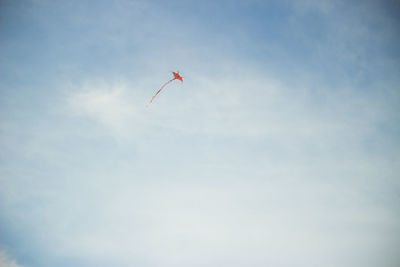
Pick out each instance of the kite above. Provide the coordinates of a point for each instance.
(176, 77)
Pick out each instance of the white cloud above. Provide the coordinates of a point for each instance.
(7, 261)
(250, 106)
(304, 209)
(109, 105)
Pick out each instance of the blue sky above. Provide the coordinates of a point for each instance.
(281, 147)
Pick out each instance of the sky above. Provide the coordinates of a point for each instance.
(280, 148)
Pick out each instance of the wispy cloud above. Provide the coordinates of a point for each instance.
(251, 105)
(7, 261)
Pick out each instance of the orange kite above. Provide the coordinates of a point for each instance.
(176, 77)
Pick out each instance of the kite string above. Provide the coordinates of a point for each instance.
(159, 91)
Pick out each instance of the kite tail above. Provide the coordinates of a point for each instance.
(159, 91)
